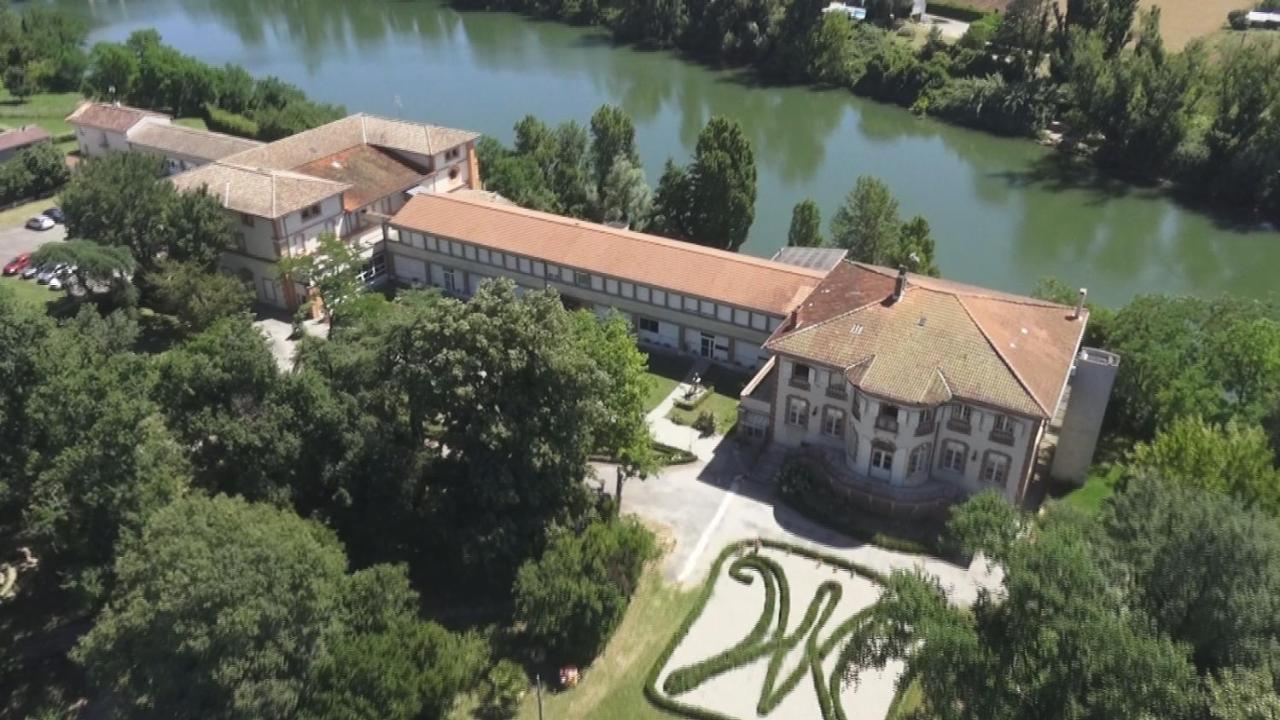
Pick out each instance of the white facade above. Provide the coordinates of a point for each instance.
(695, 326)
(967, 445)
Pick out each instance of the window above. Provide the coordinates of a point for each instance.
(798, 412)
(581, 279)
(432, 244)
(525, 266)
(724, 313)
(659, 297)
(832, 421)
(453, 153)
(705, 307)
(484, 255)
(925, 425)
(647, 325)
(953, 456)
(239, 243)
(1002, 424)
(888, 417)
(995, 468)
(741, 317)
(509, 261)
(469, 251)
(674, 301)
(882, 457)
(961, 418)
(857, 406)
(758, 321)
(799, 375)
(246, 219)
(918, 459)
(611, 286)
(539, 269)
(628, 290)
(642, 293)
(450, 280)
(310, 212)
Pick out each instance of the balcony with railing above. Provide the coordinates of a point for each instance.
(888, 423)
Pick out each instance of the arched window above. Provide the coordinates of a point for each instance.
(919, 458)
(995, 468)
(953, 456)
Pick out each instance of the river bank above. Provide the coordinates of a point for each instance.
(1004, 211)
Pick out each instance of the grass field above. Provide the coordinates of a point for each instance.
(48, 110)
(665, 372)
(1182, 21)
(726, 387)
(613, 687)
(29, 291)
(1100, 485)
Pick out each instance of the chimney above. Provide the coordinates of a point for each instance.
(1084, 293)
(900, 286)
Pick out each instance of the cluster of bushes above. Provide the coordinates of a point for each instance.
(573, 597)
(34, 172)
(41, 50)
(143, 71)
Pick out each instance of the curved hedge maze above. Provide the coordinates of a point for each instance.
(768, 638)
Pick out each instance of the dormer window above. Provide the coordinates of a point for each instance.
(800, 375)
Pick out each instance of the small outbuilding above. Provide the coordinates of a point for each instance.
(14, 141)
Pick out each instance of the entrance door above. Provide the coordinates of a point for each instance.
(708, 346)
(881, 462)
(270, 293)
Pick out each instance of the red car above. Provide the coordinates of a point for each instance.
(17, 264)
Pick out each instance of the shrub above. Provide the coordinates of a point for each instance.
(223, 121)
(989, 103)
(957, 11)
(1238, 19)
(573, 597)
(505, 684)
(33, 172)
(705, 423)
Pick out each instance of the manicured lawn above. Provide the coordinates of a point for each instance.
(1100, 485)
(20, 214)
(613, 687)
(48, 110)
(726, 386)
(29, 291)
(191, 122)
(665, 372)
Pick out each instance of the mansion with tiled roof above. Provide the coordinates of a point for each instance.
(914, 390)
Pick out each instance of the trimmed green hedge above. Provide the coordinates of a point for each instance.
(223, 121)
(957, 11)
(743, 652)
(801, 488)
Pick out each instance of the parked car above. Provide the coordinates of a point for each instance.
(66, 277)
(31, 271)
(40, 222)
(55, 283)
(49, 273)
(55, 214)
(17, 264)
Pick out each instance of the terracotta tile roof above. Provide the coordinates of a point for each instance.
(372, 174)
(191, 142)
(257, 191)
(941, 340)
(106, 116)
(681, 267)
(22, 137)
(321, 142)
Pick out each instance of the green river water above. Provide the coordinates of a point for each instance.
(1002, 210)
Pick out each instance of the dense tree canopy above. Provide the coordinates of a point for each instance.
(806, 225)
(209, 574)
(868, 226)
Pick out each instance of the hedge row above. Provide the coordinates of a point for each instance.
(223, 121)
(661, 700)
(956, 11)
(800, 488)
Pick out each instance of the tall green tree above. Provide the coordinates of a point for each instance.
(723, 184)
(613, 137)
(915, 248)
(806, 225)
(1232, 459)
(867, 223)
(625, 195)
(196, 628)
(1242, 150)
(672, 203)
(113, 72)
(573, 597)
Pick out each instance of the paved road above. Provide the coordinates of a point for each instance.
(18, 240)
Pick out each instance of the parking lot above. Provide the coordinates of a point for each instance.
(18, 240)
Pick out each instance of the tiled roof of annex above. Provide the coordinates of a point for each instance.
(192, 142)
(686, 268)
(258, 191)
(941, 341)
(294, 151)
(108, 116)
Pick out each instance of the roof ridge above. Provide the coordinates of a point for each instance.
(1003, 358)
(959, 289)
(635, 235)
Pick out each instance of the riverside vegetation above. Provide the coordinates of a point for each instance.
(1207, 123)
